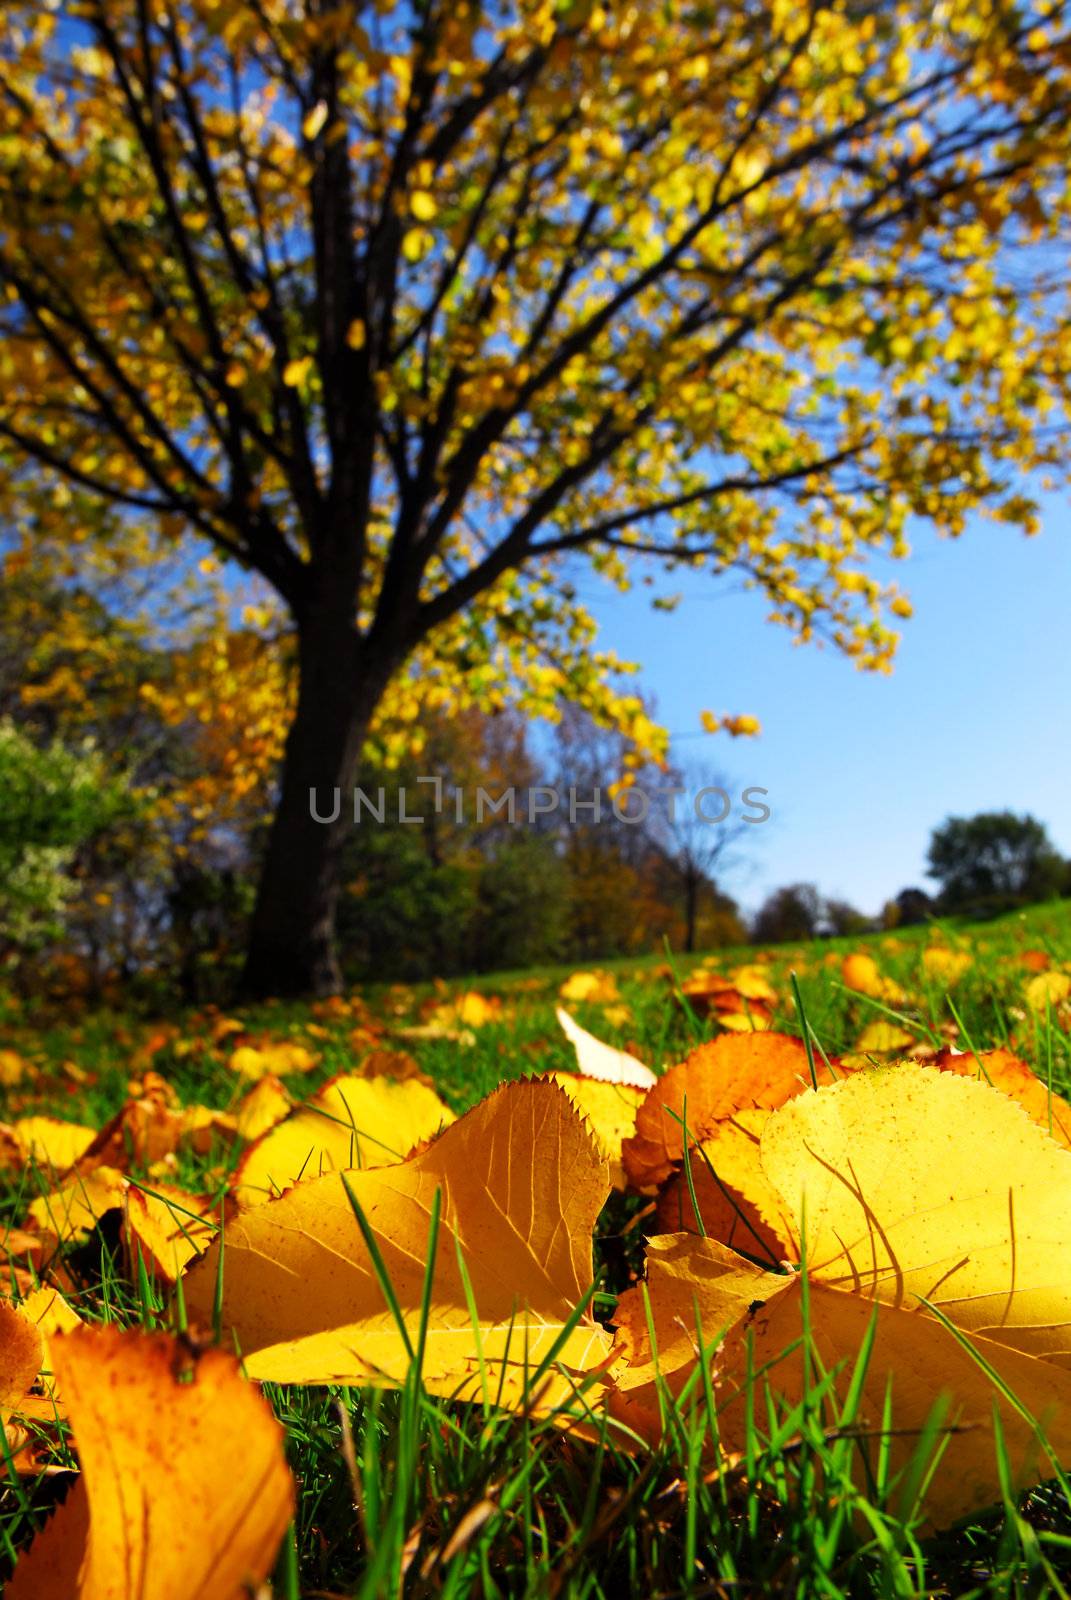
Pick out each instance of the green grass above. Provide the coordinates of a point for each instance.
(404, 1493)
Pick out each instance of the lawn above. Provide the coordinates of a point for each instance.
(402, 1490)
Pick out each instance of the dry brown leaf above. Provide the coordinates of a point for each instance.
(184, 1493)
(521, 1184)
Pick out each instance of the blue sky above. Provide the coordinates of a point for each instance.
(860, 766)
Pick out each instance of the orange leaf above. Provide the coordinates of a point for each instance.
(729, 1074)
(184, 1494)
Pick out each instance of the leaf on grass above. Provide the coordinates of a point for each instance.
(52, 1145)
(730, 1074)
(737, 1203)
(610, 1111)
(598, 1060)
(521, 1184)
(77, 1206)
(1013, 1077)
(184, 1492)
(695, 1283)
(861, 973)
(884, 1038)
(266, 1104)
(918, 1183)
(592, 988)
(353, 1121)
(169, 1226)
(944, 965)
(21, 1354)
(1048, 989)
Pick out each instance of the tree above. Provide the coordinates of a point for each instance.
(993, 861)
(788, 914)
(55, 800)
(840, 918)
(405, 308)
(910, 906)
(698, 839)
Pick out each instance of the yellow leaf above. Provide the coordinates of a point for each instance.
(610, 1112)
(1013, 1077)
(1047, 989)
(169, 1226)
(521, 1184)
(53, 1145)
(422, 205)
(184, 1487)
(357, 334)
(882, 1038)
(947, 966)
(860, 972)
(314, 120)
(736, 1202)
(78, 1205)
(352, 1122)
(699, 1291)
(597, 988)
(267, 1103)
(922, 1185)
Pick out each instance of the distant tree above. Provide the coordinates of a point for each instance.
(790, 913)
(698, 840)
(54, 801)
(522, 906)
(994, 860)
(841, 918)
(912, 907)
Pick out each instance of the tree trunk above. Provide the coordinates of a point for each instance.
(291, 947)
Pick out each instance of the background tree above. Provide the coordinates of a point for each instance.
(792, 913)
(404, 309)
(54, 801)
(839, 918)
(994, 860)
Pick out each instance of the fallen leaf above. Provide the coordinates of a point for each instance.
(77, 1206)
(610, 1111)
(352, 1121)
(184, 1492)
(947, 966)
(598, 1060)
(731, 1073)
(737, 1204)
(521, 1184)
(698, 1296)
(883, 1038)
(1048, 989)
(1013, 1077)
(596, 988)
(915, 1184)
(266, 1103)
(861, 973)
(52, 1145)
(169, 1226)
